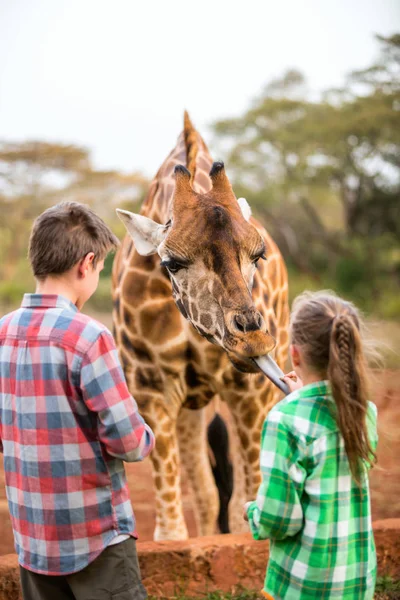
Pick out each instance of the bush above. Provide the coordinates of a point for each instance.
(11, 292)
(101, 301)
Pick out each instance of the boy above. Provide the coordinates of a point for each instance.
(68, 422)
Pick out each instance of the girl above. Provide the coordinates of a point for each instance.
(316, 448)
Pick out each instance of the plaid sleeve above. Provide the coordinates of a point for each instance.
(122, 430)
(277, 511)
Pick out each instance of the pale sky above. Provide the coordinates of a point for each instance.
(116, 75)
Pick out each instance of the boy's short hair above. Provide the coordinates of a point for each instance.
(63, 235)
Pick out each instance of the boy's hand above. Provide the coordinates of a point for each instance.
(293, 381)
(245, 507)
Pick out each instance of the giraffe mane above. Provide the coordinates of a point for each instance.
(192, 145)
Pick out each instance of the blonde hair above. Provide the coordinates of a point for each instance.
(329, 331)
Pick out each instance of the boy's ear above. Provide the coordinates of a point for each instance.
(85, 262)
(147, 235)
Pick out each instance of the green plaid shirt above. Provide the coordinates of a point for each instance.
(317, 519)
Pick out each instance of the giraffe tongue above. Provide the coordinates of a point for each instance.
(269, 367)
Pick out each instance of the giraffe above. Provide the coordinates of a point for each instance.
(188, 326)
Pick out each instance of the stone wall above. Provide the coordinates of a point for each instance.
(221, 562)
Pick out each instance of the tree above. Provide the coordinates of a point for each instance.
(36, 175)
(325, 175)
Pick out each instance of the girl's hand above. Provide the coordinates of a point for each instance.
(293, 381)
(245, 507)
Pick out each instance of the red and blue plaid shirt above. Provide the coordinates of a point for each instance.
(67, 423)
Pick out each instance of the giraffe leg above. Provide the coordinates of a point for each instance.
(192, 435)
(239, 497)
(170, 522)
(249, 410)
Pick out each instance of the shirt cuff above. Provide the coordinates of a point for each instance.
(253, 517)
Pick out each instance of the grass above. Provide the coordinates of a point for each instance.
(387, 589)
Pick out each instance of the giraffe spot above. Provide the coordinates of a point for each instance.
(147, 263)
(160, 323)
(191, 376)
(266, 395)
(124, 361)
(206, 320)
(117, 304)
(272, 328)
(249, 417)
(148, 378)
(195, 401)
(272, 273)
(156, 216)
(171, 511)
(259, 381)
(127, 318)
(137, 347)
(170, 479)
(156, 461)
(159, 289)
(134, 288)
(158, 482)
(275, 304)
(256, 437)
(193, 289)
(141, 350)
(143, 401)
(169, 496)
(227, 377)
(162, 446)
(253, 455)
(240, 380)
(283, 337)
(192, 354)
(266, 298)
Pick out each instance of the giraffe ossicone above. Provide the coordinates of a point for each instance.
(209, 286)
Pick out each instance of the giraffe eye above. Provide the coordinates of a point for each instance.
(255, 259)
(172, 265)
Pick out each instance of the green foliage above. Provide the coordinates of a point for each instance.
(387, 588)
(101, 301)
(36, 175)
(11, 293)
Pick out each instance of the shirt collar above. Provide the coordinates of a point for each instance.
(318, 388)
(47, 301)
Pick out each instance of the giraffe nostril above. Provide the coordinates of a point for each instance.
(239, 323)
(245, 322)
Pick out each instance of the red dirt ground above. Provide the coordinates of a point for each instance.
(385, 478)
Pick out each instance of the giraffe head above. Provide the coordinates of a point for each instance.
(210, 251)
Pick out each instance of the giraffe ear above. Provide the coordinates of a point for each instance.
(245, 208)
(147, 235)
